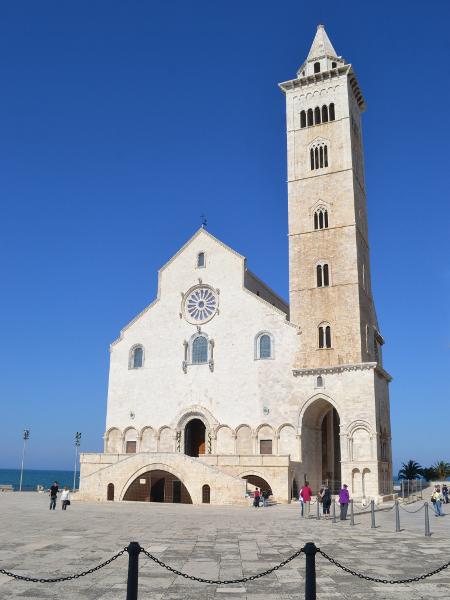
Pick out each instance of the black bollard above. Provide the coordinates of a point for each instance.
(427, 521)
(397, 517)
(352, 513)
(133, 570)
(372, 511)
(334, 511)
(310, 571)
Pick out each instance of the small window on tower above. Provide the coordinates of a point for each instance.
(324, 335)
(317, 67)
(310, 117)
(303, 119)
(333, 65)
(317, 115)
(319, 381)
(324, 113)
(321, 218)
(331, 111)
(201, 259)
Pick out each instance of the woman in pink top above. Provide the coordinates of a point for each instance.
(306, 494)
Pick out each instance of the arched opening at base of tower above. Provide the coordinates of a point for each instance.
(254, 481)
(194, 438)
(158, 486)
(321, 449)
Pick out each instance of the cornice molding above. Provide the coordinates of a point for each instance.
(342, 369)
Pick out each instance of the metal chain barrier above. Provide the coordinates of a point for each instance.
(66, 578)
(219, 581)
(377, 579)
(411, 512)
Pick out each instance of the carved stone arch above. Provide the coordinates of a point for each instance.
(195, 411)
(154, 467)
(148, 439)
(318, 140)
(258, 429)
(113, 440)
(287, 440)
(225, 439)
(253, 473)
(307, 403)
(130, 435)
(323, 204)
(359, 424)
(361, 438)
(244, 439)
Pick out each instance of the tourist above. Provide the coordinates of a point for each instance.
(344, 499)
(306, 495)
(65, 498)
(53, 494)
(256, 498)
(265, 497)
(326, 501)
(445, 493)
(437, 498)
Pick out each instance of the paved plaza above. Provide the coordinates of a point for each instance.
(212, 542)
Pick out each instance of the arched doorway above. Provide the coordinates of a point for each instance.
(321, 449)
(110, 492)
(194, 438)
(254, 481)
(158, 486)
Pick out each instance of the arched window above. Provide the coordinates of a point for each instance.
(303, 119)
(333, 65)
(324, 335)
(310, 117)
(200, 350)
(110, 492)
(319, 156)
(201, 259)
(317, 67)
(317, 116)
(319, 381)
(265, 346)
(321, 218)
(324, 113)
(206, 494)
(331, 111)
(323, 275)
(137, 357)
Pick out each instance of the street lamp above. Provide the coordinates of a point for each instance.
(77, 445)
(26, 437)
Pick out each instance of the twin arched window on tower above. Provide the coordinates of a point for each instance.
(318, 115)
(323, 274)
(318, 155)
(321, 218)
(324, 335)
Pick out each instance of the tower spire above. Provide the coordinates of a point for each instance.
(321, 45)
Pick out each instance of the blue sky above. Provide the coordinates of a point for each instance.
(122, 122)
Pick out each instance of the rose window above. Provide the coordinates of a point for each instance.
(200, 305)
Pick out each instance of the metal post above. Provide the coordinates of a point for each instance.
(372, 511)
(318, 508)
(403, 490)
(352, 513)
(77, 445)
(397, 517)
(334, 511)
(310, 571)
(427, 521)
(133, 570)
(26, 435)
(408, 490)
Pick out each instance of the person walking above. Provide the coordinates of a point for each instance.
(256, 498)
(65, 498)
(265, 497)
(437, 498)
(306, 495)
(344, 499)
(326, 501)
(445, 493)
(53, 495)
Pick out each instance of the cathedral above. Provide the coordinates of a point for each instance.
(219, 386)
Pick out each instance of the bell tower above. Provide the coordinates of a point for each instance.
(329, 272)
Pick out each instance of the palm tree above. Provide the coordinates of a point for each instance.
(442, 469)
(410, 470)
(429, 473)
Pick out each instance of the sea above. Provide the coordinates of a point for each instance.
(34, 477)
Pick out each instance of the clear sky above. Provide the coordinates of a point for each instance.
(122, 122)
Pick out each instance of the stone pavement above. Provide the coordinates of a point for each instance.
(212, 542)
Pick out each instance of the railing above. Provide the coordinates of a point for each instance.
(310, 550)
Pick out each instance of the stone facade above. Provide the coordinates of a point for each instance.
(219, 379)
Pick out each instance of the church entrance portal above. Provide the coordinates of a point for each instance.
(194, 438)
(158, 486)
(321, 449)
